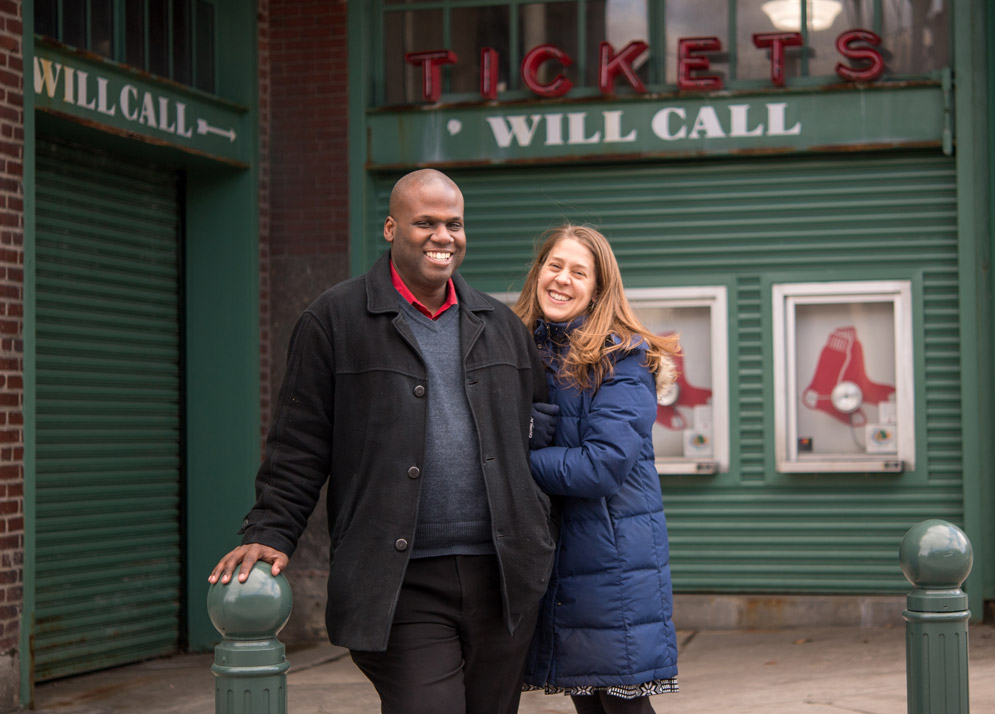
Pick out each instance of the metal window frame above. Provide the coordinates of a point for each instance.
(715, 298)
(785, 298)
(118, 32)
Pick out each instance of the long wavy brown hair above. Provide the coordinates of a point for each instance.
(592, 351)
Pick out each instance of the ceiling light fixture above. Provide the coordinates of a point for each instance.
(787, 14)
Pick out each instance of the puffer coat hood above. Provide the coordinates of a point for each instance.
(606, 618)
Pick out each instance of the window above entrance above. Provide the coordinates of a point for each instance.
(174, 39)
(471, 50)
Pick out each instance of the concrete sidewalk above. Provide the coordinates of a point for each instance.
(834, 670)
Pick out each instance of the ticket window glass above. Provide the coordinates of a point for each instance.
(691, 433)
(843, 377)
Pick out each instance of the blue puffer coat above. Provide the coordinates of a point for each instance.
(606, 618)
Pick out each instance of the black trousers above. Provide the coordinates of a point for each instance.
(603, 703)
(450, 651)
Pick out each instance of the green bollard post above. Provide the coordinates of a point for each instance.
(936, 557)
(250, 664)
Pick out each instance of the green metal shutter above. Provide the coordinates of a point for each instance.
(735, 222)
(108, 412)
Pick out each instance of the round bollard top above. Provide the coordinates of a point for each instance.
(936, 555)
(255, 609)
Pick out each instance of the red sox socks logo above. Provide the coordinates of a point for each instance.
(681, 394)
(842, 361)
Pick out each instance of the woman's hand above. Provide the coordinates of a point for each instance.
(542, 425)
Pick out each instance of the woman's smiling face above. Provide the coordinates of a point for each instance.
(567, 281)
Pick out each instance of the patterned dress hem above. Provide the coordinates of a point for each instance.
(624, 691)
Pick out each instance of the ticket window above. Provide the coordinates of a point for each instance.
(843, 377)
(691, 433)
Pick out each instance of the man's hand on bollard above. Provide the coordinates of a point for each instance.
(247, 555)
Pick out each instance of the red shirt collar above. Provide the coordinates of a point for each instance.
(410, 297)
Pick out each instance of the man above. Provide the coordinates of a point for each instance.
(412, 394)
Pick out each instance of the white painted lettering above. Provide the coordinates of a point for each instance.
(505, 129)
(707, 122)
(46, 76)
(68, 86)
(148, 112)
(740, 123)
(81, 98)
(102, 98)
(554, 129)
(181, 121)
(128, 95)
(164, 116)
(613, 128)
(775, 121)
(661, 123)
(575, 130)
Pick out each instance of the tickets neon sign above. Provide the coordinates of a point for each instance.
(857, 45)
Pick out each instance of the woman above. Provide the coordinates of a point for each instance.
(605, 634)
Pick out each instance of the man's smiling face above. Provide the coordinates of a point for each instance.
(425, 230)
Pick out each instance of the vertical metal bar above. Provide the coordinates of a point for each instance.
(377, 63)
(804, 29)
(192, 19)
(447, 28)
(514, 51)
(169, 38)
(118, 31)
(582, 41)
(656, 36)
(732, 38)
(146, 28)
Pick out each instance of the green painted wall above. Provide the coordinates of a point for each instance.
(826, 533)
(223, 412)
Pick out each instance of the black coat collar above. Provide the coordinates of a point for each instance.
(381, 296)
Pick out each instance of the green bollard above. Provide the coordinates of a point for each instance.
(250, 664)
(936, 558)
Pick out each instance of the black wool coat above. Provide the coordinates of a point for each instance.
(352, 411)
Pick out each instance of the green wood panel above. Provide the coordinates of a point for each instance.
(747, 223)
(108, 412)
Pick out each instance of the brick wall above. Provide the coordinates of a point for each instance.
(309, 184)
(305, 90)
(304, 100)
(11, 348)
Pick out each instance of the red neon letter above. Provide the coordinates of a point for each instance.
(430, 61)
(489, 73)
(843, 45)
(622, 62)
(777, 41)
(688, 62)
(530, 66)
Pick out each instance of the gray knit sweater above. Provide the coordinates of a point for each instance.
(453, 515)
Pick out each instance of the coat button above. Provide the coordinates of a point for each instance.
(414, 472)
(401, 544)
(419, 391)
